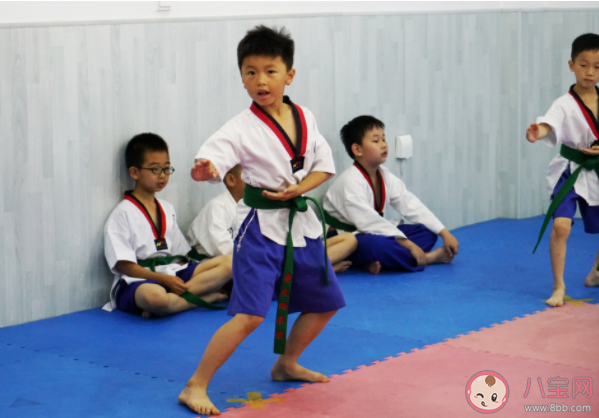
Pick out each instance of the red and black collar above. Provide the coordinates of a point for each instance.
(381, 207)
(300, 126)
(587, 113)
(158, 230)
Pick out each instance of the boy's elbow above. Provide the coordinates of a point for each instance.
(123, 266)
(328, 176)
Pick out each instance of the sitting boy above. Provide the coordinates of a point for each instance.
(572, 176)
(357, 200)
(212, 232)
(143, 230)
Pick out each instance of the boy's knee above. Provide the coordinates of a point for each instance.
(352, 240)
(228, 263)
(155, 301)
(249, 322)
(561, 227)
(330, 314)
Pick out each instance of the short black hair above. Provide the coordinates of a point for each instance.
(586, 42)
(268, 42)
(353, 132)
(139, 145)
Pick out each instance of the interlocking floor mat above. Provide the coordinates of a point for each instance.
(548, 359)
(99, 364)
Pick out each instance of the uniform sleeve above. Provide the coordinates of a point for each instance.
(180, 244)
(218, 239)
(554, 118)
(323, 156)
(355, 209)
(223, 151)
(410, 207)
(117, 239)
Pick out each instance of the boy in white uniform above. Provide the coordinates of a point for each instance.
(212, 232)
(276, 250)
(143, 230)
(572, 175)
(359, 197)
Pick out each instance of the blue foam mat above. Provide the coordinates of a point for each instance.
(94, 363)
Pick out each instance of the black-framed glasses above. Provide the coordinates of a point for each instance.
(159, 170)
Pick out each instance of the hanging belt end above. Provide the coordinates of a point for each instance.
(279, 346)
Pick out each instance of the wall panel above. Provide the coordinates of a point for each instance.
(464, 85)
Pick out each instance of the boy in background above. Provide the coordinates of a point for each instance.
(143, 229)
(358, 198)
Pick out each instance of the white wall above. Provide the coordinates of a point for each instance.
(464, 85)
(25, 13)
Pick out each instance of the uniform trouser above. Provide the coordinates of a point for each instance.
(389, 253)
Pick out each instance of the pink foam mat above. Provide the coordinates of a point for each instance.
(432, 382)
(569, 335)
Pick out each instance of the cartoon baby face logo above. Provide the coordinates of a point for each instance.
(487, 392)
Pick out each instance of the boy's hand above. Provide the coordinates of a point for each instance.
(536, 132)
(415, 250)
(290, 192)
(594, 150)
(450, 243)
(532, 133)
(418, 254)
(203, 170)
(175, 284)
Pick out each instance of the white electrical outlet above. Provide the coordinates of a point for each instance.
(404, 146)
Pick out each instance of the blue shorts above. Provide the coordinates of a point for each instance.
(258, 267)
(567, 209)
(125, 293)
(388, 252)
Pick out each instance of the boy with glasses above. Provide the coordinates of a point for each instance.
(146, 250)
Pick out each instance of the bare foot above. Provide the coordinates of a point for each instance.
(341, 266)
(218, 296)
(146, 314)
(197, 400)
(374, 267)
(557, 298)
(592, 279)
(282, 373)
(438, 256)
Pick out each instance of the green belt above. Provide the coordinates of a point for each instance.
(151, 263)
(337, 224)
(194, 255)
(588, 162)
(252, 197)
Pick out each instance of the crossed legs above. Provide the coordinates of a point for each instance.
(208, 277)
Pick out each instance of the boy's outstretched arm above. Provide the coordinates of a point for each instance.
(312, 181)
(536, 132)
(450, 243)
(204, 170)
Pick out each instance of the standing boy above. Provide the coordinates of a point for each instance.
(572, 175)
(359, 197)
(143, 230)
(283, 156)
